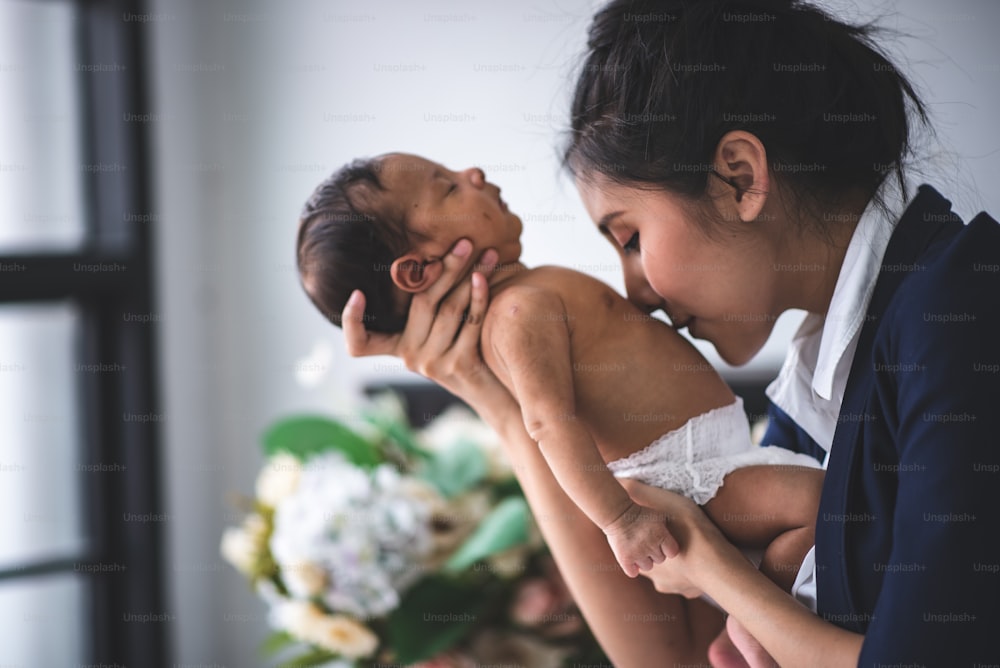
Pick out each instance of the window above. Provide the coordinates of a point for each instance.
(80, 509)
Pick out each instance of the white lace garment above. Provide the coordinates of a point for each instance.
(694, 459)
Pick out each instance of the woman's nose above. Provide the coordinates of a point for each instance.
(639, 291)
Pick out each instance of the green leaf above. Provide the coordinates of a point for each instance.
(502, 529)
(387, 413)
(306, 435)
(276, 642)
(401, 434)
(433, 616)
(456, 469)
(506, 487)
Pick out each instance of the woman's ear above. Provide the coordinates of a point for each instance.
(412, 273)
(741, 161)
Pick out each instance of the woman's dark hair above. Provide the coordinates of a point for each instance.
(349, 235)
(664, 80)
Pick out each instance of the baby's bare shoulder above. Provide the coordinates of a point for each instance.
(523, 297)
(571, 285)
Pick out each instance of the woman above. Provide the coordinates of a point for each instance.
(742, 157)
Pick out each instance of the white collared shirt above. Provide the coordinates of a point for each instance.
(810, 385)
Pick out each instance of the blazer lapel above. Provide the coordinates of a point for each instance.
(926, 215)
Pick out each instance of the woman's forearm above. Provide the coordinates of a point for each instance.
(497, 408)
(792, 634)
(636, 625)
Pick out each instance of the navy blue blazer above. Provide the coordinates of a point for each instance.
(908, 533)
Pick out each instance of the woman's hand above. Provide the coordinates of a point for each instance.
(693, 530)
(441, 339)
(768, 622)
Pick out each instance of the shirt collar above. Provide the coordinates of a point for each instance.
(849, 305)
(810, 386)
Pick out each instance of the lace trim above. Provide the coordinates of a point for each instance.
(694, 459)
(720, 431)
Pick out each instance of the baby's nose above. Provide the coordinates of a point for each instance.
(477, 176)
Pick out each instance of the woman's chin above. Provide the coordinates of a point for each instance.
(735, 353)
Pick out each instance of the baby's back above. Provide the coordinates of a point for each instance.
(634, 377)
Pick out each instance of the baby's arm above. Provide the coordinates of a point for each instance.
(772, 507)
(526, 342)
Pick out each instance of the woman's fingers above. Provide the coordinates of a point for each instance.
(659, 499)
(423, 322)
(425, 305)
(430, 328)
(462, 311)
(361, 342)
(453, 339)
(670, 504)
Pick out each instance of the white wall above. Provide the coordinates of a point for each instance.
(259, 101)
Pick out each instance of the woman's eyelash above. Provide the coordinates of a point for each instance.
(633, 243)
(452, 188)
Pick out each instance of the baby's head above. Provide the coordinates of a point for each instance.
(382, 225)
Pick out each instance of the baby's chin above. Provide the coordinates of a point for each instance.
(510, 253)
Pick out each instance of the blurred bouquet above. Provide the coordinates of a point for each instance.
(375, 545)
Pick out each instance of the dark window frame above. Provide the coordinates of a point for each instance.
(123, 514)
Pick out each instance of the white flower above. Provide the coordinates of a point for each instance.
(336, 633)
(458, 423)
(304, 579)
(269, 592)
(242, 546)
(365, 535)
(278, 479)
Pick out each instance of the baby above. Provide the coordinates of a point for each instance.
(605, 390)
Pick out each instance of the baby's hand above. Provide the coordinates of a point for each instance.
(639, 539)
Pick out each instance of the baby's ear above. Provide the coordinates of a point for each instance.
(412, 274)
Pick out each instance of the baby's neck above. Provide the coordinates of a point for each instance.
(505, 272)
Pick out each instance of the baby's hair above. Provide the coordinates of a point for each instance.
(664, 80)
(349, 235)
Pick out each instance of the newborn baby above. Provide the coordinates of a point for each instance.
(605, 390)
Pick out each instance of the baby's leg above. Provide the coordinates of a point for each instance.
(772, 507)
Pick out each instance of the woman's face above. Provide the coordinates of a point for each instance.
(723, 289)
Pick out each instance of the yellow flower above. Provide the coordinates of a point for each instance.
(243, 546)
(337, 633)
(278, 479)
(454, 520)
